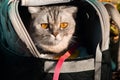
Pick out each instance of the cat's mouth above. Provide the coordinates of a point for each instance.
(56, 42)
(49, 43)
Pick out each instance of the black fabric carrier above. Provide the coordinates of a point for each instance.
(20, 59)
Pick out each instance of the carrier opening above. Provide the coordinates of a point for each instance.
(88, 29)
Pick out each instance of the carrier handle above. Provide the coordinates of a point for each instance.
(42, 2)
(115, 15)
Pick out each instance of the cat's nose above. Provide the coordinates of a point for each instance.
(55, 33)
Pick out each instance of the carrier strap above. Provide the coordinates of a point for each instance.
(115, 15)
(104, 21)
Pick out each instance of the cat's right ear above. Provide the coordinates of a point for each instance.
(33, 10)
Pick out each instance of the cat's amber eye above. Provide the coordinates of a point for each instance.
(63, 25)
(44, 25)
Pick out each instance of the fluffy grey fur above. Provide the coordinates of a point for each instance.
(53, 39)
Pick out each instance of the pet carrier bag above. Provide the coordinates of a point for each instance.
(20, 59)
(114, 39)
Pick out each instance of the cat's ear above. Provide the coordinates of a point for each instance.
(33, 10)
(72, 10)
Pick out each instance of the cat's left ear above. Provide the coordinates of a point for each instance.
(72, 10)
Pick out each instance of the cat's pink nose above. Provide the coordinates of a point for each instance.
(55, 33)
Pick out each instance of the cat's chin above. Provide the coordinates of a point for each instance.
(58, 48)
(54, 49)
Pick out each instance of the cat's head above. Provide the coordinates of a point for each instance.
(52, 27)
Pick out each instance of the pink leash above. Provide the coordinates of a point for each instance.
(59, 65)
(60, 62)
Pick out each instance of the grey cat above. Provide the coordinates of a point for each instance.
(52, 27)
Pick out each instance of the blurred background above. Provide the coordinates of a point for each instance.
(115, 2)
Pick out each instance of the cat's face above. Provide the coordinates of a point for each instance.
(53, 27)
